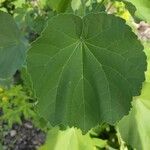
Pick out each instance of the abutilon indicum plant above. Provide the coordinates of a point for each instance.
(85, 68)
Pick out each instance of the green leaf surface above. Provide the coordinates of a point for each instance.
(130, 7)
(137, 132)
(70, 139)
(75, 4)
(134, 128)
(85, 71)
(58, 5)
(12, 47)
(95, 8)
(143, 9)
(99, 143)
(1, 148)
(147, 51)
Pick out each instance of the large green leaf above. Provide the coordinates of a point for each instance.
(70, 139)
(12, 47)
(85, 71)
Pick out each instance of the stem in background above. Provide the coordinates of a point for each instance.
(110, 7)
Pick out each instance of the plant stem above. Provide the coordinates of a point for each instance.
(107, 10)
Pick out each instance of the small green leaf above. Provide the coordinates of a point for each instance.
(85, 71)
(143, 9)
(75, 4)
(128, 5)
(59, 5)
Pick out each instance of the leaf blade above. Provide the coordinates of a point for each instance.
(79, 77)
(12, 47)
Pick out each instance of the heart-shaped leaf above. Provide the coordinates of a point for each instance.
(85, 71)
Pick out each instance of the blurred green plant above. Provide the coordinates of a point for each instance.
(31, 19)
(15, 104)
(30, 16)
